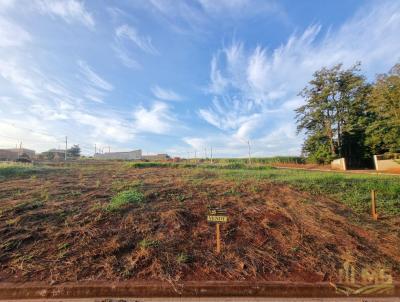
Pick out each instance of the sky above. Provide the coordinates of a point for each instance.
(175, 76)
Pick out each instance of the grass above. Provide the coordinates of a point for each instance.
(153, 165)
(264, 160)
(123, 198)
(217, 165)
(352, 189)
(148, 243)
(8, 170)
(123, 185)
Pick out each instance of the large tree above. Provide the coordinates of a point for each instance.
(335, 115)
(383, 132)
(74, 151)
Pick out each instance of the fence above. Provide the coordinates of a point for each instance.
(388, 161)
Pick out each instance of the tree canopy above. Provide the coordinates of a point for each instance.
(344, 116)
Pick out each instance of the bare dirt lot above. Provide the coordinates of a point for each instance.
(57, 226)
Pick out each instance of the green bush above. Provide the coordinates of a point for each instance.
(123, 198)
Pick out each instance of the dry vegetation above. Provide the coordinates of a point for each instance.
(116, 222)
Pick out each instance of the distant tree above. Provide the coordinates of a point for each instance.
(74, 151)
(383, 133)
(334, 115)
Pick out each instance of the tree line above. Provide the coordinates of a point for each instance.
(345, 116)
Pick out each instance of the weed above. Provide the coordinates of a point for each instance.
(147, 243)
(123, 185)
(123, 198)
(295, 249)
(95, 207)
(26, 206)
(63, 249)
(97, 184)
(75, 193)
(232, 191)
(44, 194)
(182, 258)
(63, 246)
(12, 221)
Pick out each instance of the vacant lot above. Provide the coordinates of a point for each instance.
(115, 221)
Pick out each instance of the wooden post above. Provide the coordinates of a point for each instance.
(217, 230)
(373, 205)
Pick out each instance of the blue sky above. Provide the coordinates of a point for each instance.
(177, 76)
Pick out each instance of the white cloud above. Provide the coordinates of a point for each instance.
(166, 94)
(21, 79)
(105, 126)
(6, 4)
(255, 90)
(199, 16)
(143, 42)
(12, 35)
(70, 11)
(37, 109)
(125, 57)
(240, 8)
(93, 77)
(158, 119)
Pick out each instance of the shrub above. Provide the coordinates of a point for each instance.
(123, 198)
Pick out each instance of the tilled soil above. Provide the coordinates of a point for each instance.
(54, 228)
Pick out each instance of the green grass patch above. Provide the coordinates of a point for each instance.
(152, 165)
(148, 243)
(9, 170)
(352, 189)
(123, 198)
(217, 165)
(123, 185)
(263, 160)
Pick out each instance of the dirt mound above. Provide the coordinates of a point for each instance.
(55, 228)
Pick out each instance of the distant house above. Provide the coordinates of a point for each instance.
(15, 153)
(130, 155)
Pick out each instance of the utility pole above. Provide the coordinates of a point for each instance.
(20, 150)
(109, 149)
(95, 149)
(66, 147)
(248, 143)
(211, 155)
(195, 156)
(205, 153)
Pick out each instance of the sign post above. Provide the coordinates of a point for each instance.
(373, 205)
(217, 216)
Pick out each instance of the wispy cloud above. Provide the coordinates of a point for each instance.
(166, 94)
(187, 16)
(12, 34)
(142, 42)
(124, 56)
(71, 11)
(94, 79)
(241, 8)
